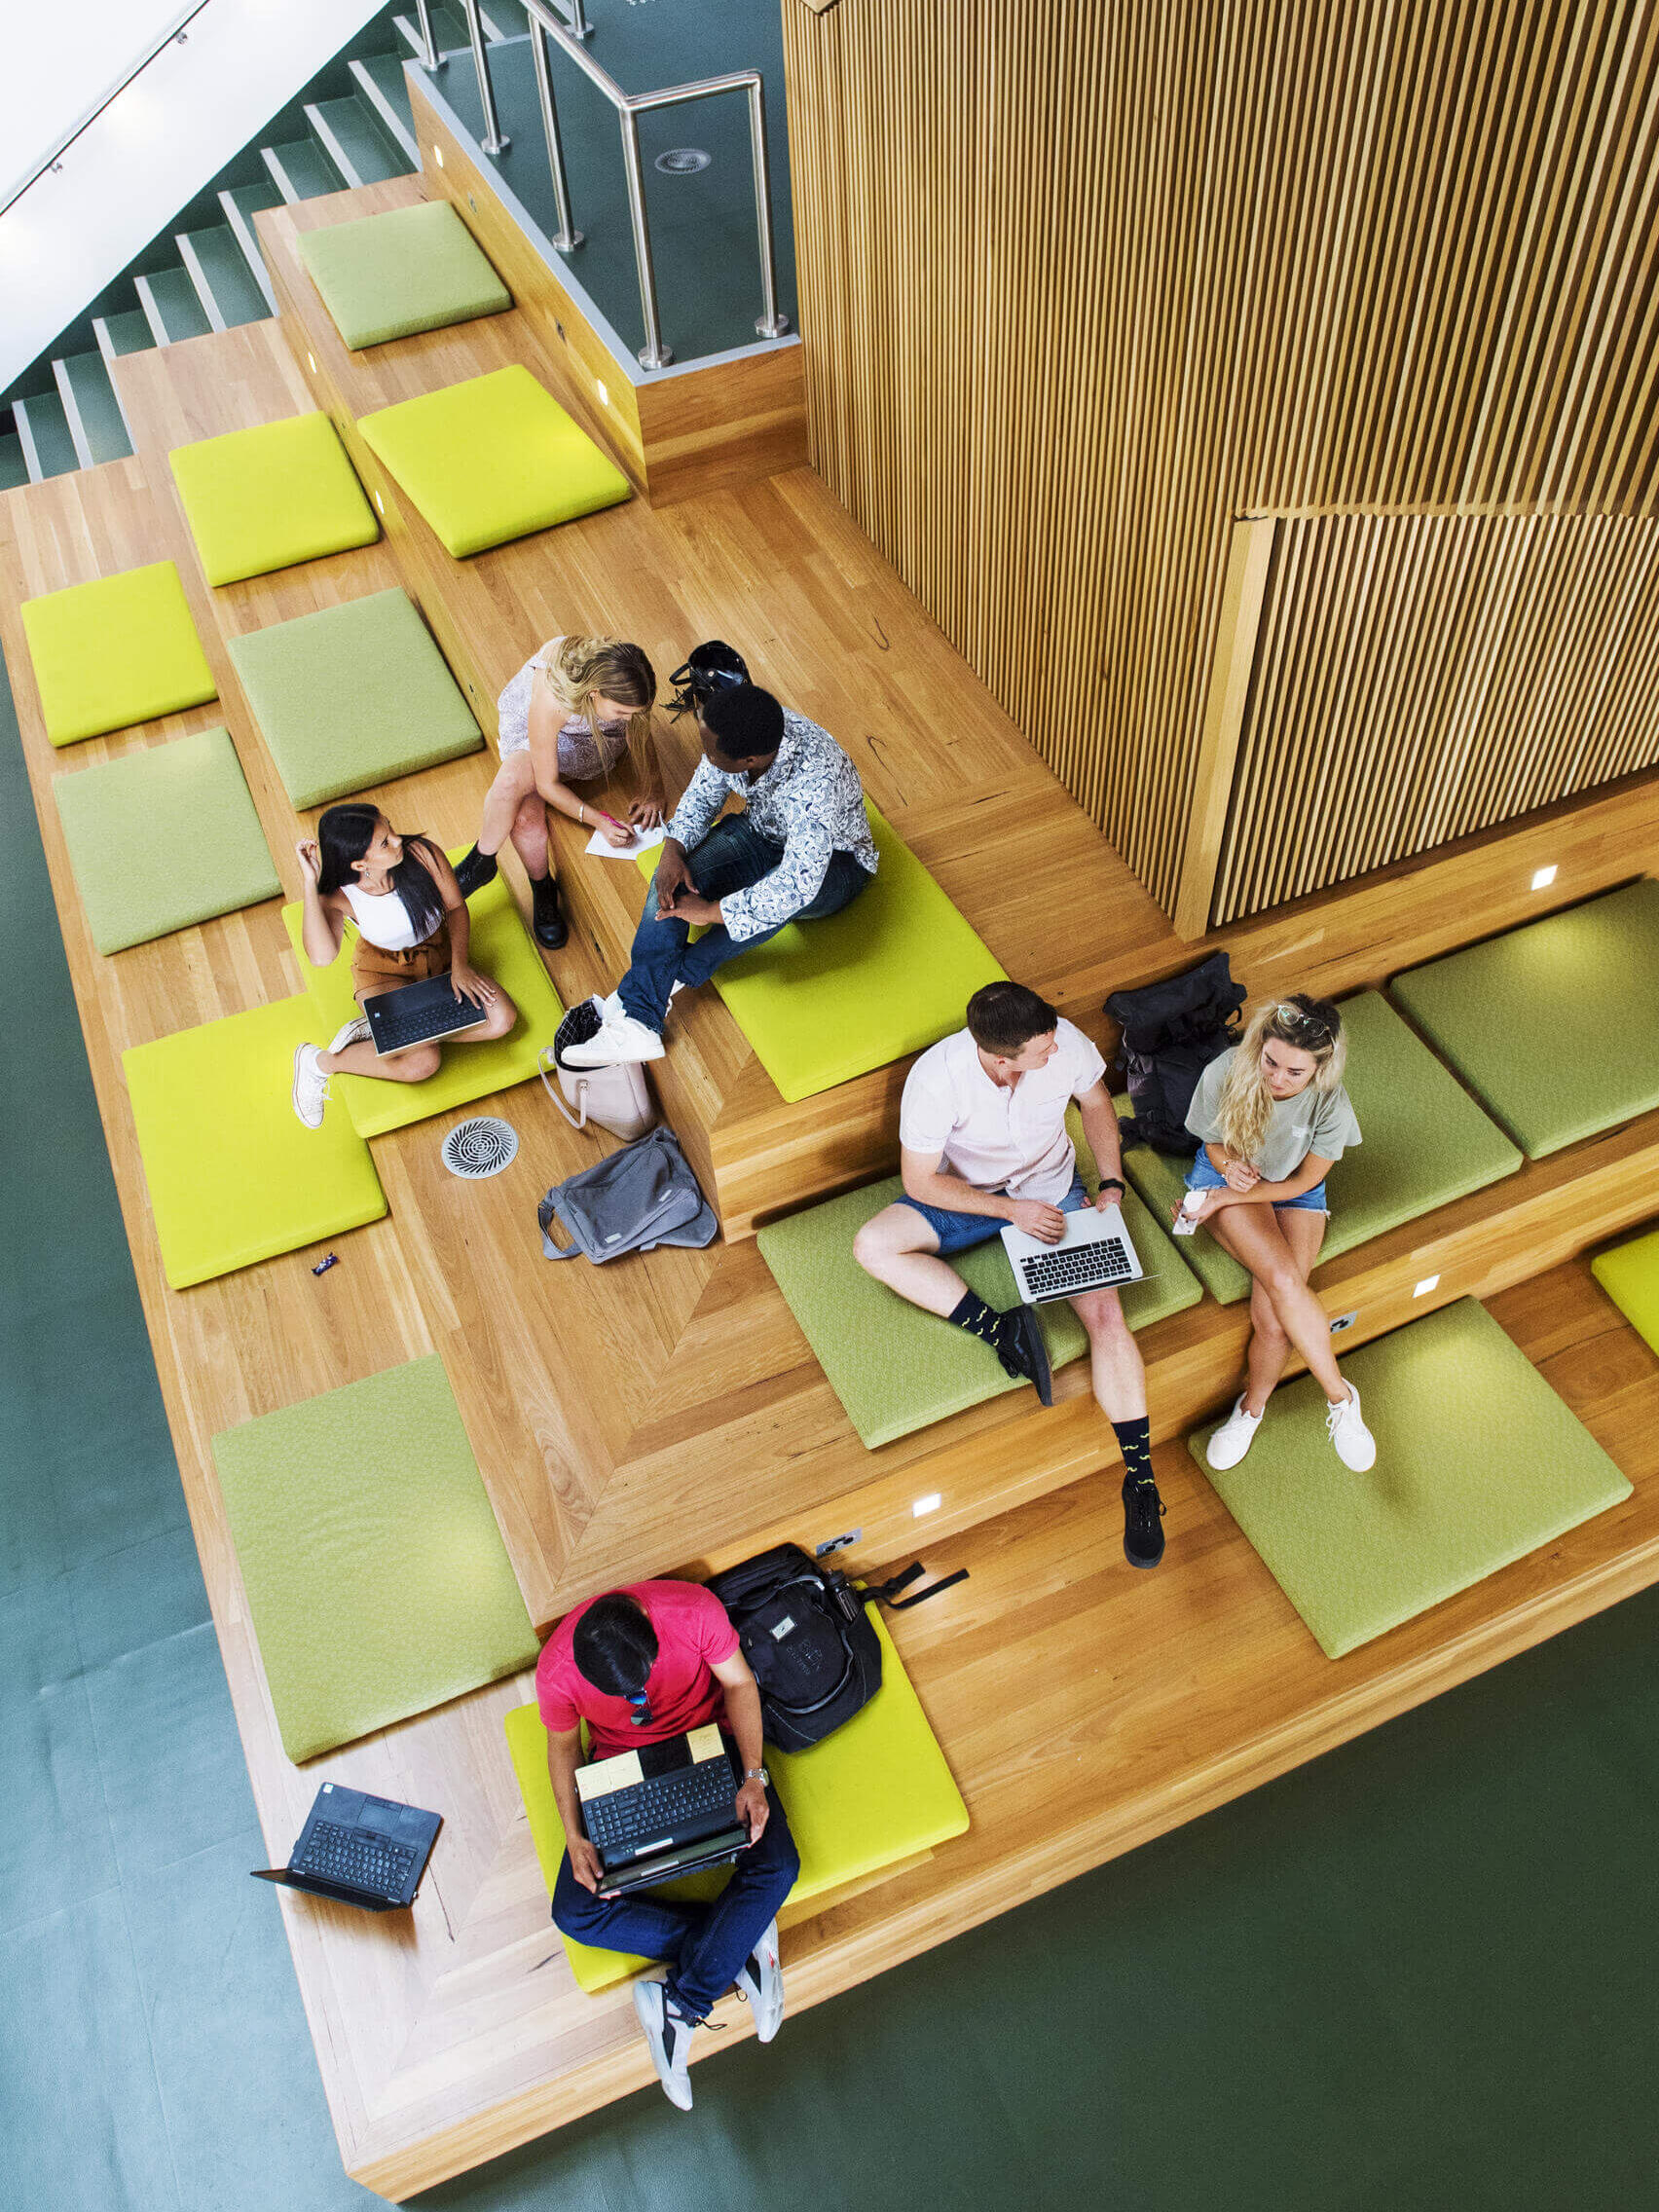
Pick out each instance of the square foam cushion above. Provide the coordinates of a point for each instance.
(877, 1793)
(1630, 1275)
(163, 838)
(411, 269)
(888, 976)
(895, 1367)
(234, 1175)
(1478, 1462)
(493, 459)
(1553, 1027)
(116, 651)
(374, 1572)
(263, 498)
(353, 696)
(1425, 1143)
(502, 948)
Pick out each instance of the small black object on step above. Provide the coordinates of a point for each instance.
(1170, 1032)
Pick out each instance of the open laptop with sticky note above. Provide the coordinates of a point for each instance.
(663, 1810)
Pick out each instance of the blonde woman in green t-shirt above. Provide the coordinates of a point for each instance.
(1272, 1117)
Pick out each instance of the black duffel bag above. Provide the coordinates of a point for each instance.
(1172, 1030)
(805, 1633)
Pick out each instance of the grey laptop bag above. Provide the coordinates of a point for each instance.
(632, 1199)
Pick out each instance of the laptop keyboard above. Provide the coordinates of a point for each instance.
(367, 1861)
(403, 1025)
(656, 1807)
(1085, 1267)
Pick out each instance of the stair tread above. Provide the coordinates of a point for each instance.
(175, 297)
(230, 279)
(129, 332)
(49, 426)
(308, 168)
(366, 144)
(12, 468)
(99, 411)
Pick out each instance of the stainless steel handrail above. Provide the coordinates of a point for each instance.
(630, 106)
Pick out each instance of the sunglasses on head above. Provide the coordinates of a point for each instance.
(639, 1709)
(692, 686)
(1299, 1018)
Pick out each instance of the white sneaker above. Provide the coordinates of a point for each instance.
(1356, 1446)
(310, 1085)
(762, 1981)
(1233, 1438)
(616, 1039)
(356, 1032)
(670, 2039)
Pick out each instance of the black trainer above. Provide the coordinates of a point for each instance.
(1143, 1522)
(473, 870)
(548, 923)
(1023, 1352)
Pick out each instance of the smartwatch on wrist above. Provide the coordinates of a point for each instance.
(757, 1774)
(1113, 1183)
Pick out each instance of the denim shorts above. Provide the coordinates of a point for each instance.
(1205, 1175)
(960, 1231)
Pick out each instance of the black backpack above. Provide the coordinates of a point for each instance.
(804, 1630)
(1171, 1031)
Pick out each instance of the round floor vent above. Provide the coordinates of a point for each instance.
(683, 161)
(480, 1147)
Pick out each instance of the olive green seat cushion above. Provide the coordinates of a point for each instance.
(895, 1368)
(163, 838)
(353, 696)
(1629, 1273)
(875, 1794)
(1553, 1027)
(410, 269)
(493, 459)
(502, 949)
(823, 1001)
(119, 651)
(1425, 1143)
(1478, 1462)
(265, 498)
(234, 1175)
(375, 1576)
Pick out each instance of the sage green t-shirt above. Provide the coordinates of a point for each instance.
(1311, 1121)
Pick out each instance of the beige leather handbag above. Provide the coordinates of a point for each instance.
(614, 1098)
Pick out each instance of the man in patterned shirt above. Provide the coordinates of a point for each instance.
(800, 850)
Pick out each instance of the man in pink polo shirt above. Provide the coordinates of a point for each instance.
(640, 1665)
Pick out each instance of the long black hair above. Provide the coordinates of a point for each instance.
(345, 834)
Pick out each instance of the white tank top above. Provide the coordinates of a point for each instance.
(382, 918)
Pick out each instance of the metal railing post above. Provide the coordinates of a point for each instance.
(653, 354)
(581, 27)
(494, 141)
(565, 237)
(771, 323)
(429, 42)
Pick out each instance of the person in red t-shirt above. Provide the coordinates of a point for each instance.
(640, 1665)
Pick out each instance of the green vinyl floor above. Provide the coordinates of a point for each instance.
(1419, 1974)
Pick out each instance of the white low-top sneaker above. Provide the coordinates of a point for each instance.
(669, 2036)
(356, 1032)
(616, 1039)
(1233, 1438)
(760, 1980)
(1356, 1446)
(310, 1085)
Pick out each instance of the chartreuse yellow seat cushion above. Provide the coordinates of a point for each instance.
(265, 498)
(233, 1176)
(1553, 1027)
(119, 650)
(895, 1367)
(1629, 1273)
(163, 838)
(410, 269)
(823, 1001)
(493, 459)
(502, 948)
(875, 1794)
(376, 1576)
(1478, 1462)
(352, 696)
(1425, 1143)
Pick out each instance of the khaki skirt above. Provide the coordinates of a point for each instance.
(374, 969)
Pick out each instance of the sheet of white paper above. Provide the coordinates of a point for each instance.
(641, 841)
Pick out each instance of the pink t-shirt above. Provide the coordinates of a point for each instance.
(694, 1635)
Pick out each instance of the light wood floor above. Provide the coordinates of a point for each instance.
(636, 1420)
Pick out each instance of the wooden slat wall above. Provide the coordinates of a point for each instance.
(1419, 677)
(1082, 285)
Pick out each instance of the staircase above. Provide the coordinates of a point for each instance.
(65, 413)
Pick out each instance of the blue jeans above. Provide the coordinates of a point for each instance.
(705, 1945)
(1205, 1175)
(731, 857)
(960, 1231)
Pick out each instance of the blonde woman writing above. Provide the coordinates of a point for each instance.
(568, 717)
(1272, 1117)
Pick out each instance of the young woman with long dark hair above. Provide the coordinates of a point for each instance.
(401, 897)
